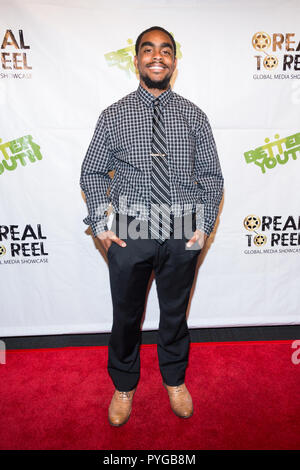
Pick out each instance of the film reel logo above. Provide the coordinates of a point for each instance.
(252, 223)
(260, 42)
(2, 250)
(270, 62)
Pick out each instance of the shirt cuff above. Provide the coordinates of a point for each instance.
(97, 227)
(202, 223)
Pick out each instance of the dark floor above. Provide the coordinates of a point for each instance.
(198, 335)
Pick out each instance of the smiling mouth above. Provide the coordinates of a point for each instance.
(157, 67)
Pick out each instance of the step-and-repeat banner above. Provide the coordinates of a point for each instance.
(62, 63)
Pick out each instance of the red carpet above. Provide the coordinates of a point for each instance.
(246, 396)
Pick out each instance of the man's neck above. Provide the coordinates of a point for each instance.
(154, 91)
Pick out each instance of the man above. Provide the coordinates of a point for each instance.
(166, 172)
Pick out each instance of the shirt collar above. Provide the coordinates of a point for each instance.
(148, 98)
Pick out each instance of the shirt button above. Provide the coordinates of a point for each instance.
(156, 103)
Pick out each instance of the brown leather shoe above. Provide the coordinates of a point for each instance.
(120, 407)
(180, 400)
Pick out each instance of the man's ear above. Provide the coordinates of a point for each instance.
(175, 62)
(135, 61)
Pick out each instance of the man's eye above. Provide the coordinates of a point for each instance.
(166, 52)
(147, 50)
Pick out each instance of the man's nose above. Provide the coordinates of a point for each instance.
(157, 55)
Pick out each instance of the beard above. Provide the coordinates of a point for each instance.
(158, 84)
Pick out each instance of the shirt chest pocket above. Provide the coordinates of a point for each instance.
(182, 152)
(132, 157)
(128, 170)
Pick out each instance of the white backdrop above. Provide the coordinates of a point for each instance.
(54, 279)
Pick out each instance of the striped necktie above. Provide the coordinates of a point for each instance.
(160, 223)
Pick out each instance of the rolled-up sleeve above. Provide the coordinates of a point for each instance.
(209, 178)
(95, 180)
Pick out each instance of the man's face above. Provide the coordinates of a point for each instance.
(155, 60)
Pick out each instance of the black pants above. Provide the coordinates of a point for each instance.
(129, 270)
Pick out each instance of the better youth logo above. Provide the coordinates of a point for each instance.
(18, 152)
(13, 56)
(123, 58)
(276, 52)
(276, 233)
(279, 151)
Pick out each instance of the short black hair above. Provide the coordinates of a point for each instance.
(159, 28)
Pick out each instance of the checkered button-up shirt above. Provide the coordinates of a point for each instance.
(122, 142)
